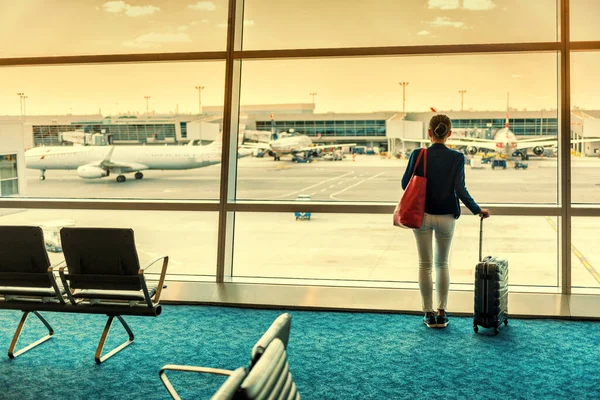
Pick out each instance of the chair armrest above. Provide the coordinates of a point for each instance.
(163, 273)
(186, 368)
(52, 278)
(61, 273)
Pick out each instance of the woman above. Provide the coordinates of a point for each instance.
(445, 186)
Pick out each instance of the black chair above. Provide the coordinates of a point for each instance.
(270, 378)
(279, 330)
(103, 275)
(26, 278)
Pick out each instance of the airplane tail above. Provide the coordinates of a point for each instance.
(218, 142)
(507, 107)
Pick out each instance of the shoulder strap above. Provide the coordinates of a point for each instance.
(421, 153)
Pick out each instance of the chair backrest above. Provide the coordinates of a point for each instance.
(23, 258)
(270, 377)
(279, 329)
(101, 258)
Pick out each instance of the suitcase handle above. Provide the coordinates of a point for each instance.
(481, 239)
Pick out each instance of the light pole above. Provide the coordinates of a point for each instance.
(21, 94)
(147, 99)
(403, 84)
(313, 94)
(199, 98)
(462, 96)
(24, 108)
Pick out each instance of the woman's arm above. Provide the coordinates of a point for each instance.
(409, 170)
(461, 189)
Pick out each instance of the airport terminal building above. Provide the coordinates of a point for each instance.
(383, 130)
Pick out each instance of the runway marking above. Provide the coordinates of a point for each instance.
(356, 184)
(309, 187)
(578, 254)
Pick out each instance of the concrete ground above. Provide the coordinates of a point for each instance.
(333, 246)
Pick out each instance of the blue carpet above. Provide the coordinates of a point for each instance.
(332, 355)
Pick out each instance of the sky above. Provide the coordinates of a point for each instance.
(31, 28)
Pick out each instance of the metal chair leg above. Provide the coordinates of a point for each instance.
(98, 357)
(13, 344)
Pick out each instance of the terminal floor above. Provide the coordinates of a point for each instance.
(332, 355)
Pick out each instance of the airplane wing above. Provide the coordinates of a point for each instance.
(118, 167)
(527, 145)
(466, 139)
(264, 146)
(490, 145)
(330, 146)
(124, 167)
(538, 139)
(414, 140)
(585, 140)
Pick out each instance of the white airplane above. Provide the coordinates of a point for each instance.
(505, 144)
(95, 162)
(291, 143)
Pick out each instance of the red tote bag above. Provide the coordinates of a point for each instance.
(410, 210)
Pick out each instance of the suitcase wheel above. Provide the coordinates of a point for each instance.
(506, 322)
(475, 328)
(496, 330)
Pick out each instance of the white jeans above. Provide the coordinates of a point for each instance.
(443, 226)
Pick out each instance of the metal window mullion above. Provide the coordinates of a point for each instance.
(448, 49)
(114, 58)
(229, 144)
(585, 45)
(565, 150)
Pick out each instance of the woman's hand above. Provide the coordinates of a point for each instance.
(484, 213)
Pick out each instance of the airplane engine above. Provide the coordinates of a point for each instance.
(92, 172)
(538, 150)
(472, 150)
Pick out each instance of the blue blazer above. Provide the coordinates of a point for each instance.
(445, 180)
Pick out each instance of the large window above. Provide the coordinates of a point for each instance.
(9, 180)
(39, 28)
(318, 24)
(584, 23)
(586, 256)
(138, 108)
(434, 82)
(585, 127)
(357, 247)
(156, 234)
(130, 131)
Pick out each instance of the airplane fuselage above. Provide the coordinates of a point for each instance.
(506, 142)
(153, 157)
(287, 145)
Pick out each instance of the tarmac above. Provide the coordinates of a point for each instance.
(361, 249)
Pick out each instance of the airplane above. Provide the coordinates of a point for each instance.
(95, 162)
(290, 143)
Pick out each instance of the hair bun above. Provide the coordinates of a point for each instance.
(441, 130)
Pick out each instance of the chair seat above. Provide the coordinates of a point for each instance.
(29, 291)
(115, 294)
